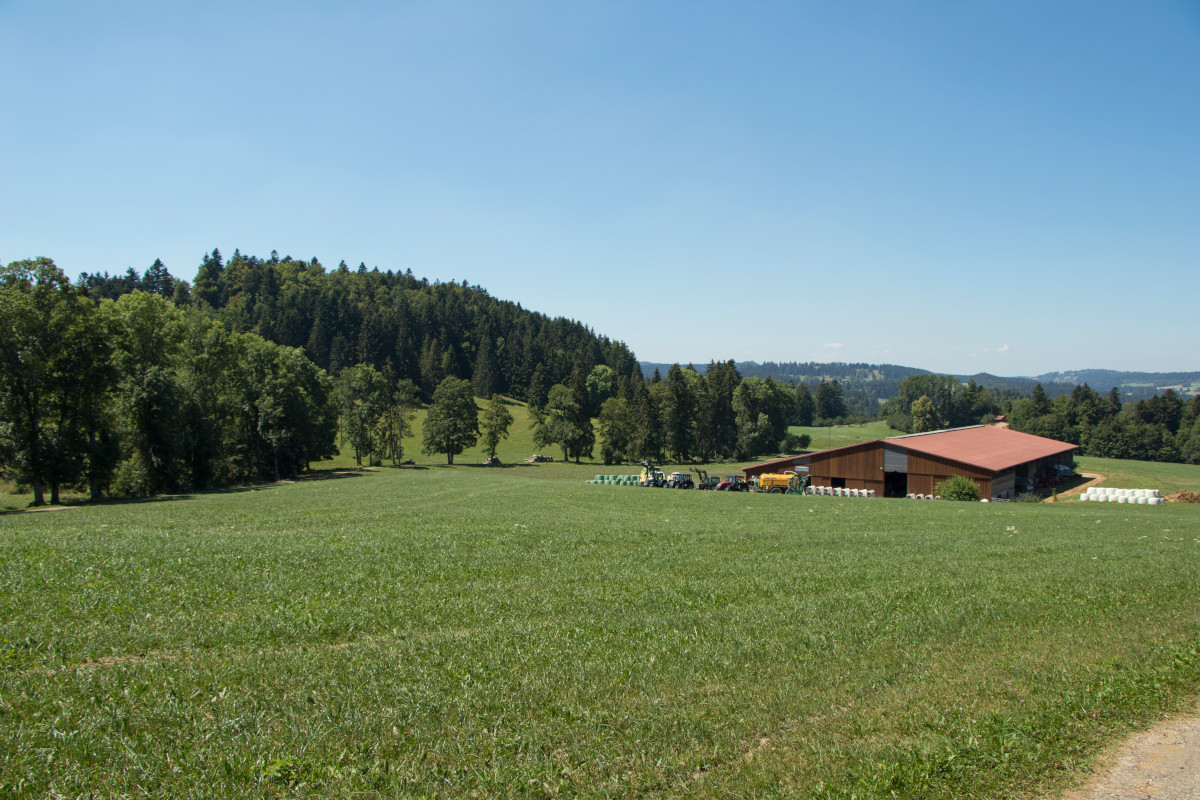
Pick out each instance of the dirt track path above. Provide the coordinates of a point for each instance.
(1162, 763)
(1093, 479)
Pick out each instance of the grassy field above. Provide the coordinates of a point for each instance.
(466, 631)
(1141, 474)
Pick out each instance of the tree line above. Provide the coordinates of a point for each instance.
(685, 416)
(389, 340)
(1161, 428)
(136, 395)
(143, 383)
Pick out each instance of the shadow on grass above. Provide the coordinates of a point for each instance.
(1067, 484)
(68, 505)
(83, 502)
(408, 466)
(518, 465)
(326, 475)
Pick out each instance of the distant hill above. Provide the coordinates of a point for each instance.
(811, 371)
(880, 381)
(1151, 382)
(1131, 385)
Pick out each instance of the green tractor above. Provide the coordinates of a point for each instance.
(680, 480)
(651, 476)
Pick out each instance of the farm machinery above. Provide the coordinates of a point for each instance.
(733, 483)
(651, 476)
(769, 483)
(680, 480)
(781, 483)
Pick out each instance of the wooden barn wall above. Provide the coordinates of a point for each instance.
(920, 464)
(861, 469)
(924, 472)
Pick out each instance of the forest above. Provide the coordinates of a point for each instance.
(140, 384)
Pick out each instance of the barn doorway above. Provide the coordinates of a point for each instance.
(895, 484)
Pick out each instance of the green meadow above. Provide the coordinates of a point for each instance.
(842, 435)
(465, 631)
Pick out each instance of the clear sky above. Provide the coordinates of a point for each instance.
(1005, 186)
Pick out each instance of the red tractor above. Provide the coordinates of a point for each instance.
(733, 483)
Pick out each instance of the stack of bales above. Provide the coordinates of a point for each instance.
(616, 480)
(836, 491)
(1107, 494)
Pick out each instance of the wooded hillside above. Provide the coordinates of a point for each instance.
(393, 321)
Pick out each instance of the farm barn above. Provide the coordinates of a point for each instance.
(1000, 460)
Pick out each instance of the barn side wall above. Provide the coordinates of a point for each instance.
(925, 472)
(860, 468)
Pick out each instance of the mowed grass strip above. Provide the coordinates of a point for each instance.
(468, 632)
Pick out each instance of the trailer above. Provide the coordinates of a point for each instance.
(781, 483)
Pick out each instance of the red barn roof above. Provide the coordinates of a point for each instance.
(983, 446)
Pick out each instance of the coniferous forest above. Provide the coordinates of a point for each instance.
(143, 383)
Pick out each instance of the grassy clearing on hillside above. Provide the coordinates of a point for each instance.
(1123, 474)
(453, 632)
(842, 435)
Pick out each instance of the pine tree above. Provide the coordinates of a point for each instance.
(496, 420)
(806, 406)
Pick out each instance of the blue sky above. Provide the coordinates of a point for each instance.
(1008, 187)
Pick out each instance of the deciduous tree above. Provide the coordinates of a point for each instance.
(53, 368)
(924, 415)
(561, 422)
(452, 422)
